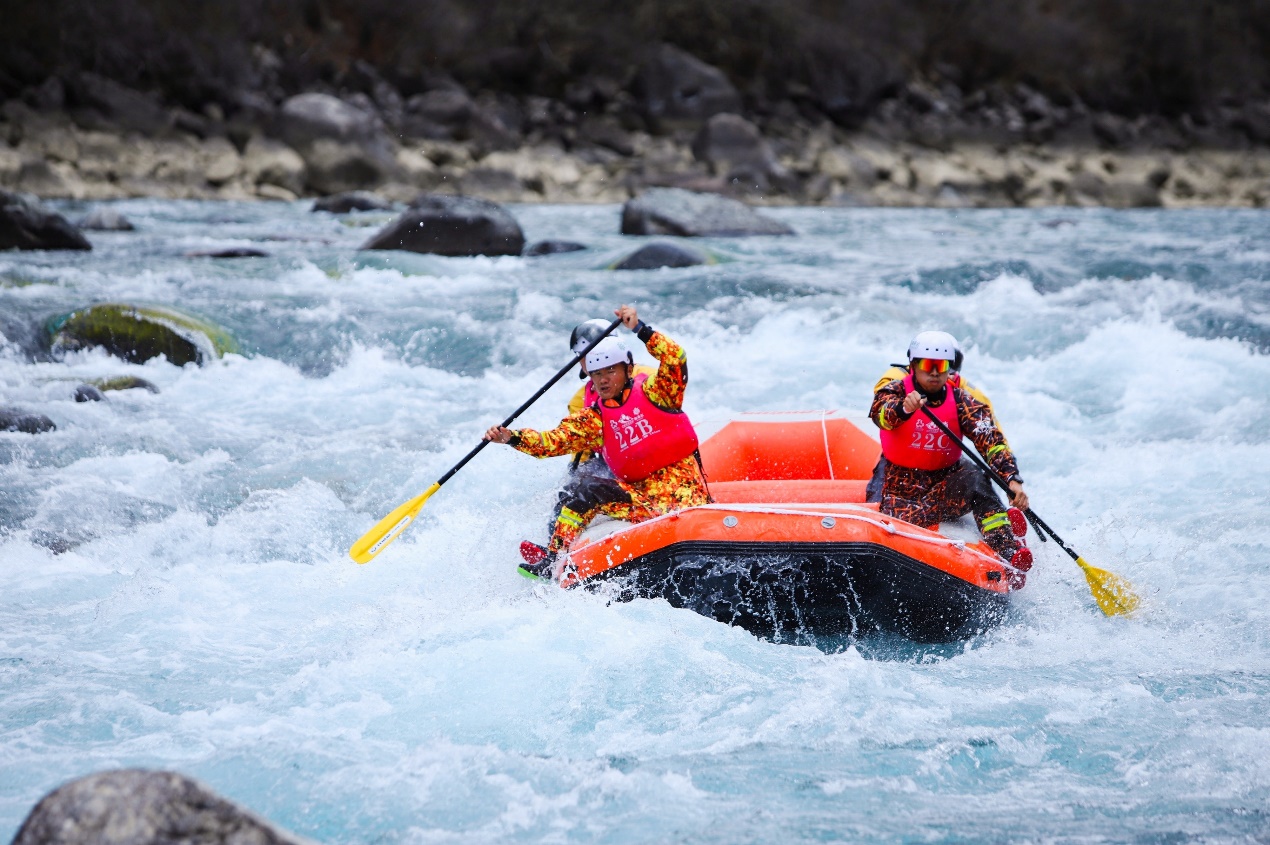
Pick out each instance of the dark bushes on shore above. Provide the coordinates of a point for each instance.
(833, 58)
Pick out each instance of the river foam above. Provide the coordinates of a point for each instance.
(178, 595)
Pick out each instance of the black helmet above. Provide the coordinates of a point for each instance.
(585, 333)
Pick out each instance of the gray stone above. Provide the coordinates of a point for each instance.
(677, 87)
(337, 166)
(445, 225)
(441, 114)
(129, 108)
(88, 393)
(25, 224)
(674, 211)
(343, 146)
(305, 118)
(106, 220)
(11, 420)
(137, 807)
(662, 254)
(269, 162)
(730, 144)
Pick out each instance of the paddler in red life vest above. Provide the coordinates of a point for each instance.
(925, 482)
(873, 492)
(589, 476)
(637, 423)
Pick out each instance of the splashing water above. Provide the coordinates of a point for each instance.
(177, 592)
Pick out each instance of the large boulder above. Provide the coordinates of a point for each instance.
(137, 807)
(11, 420)
(26, 224)
(662, 254)
(344, 147)
(734, 148)
(677, 88)
(674, 211)
(137, 333)
(306, 118)
(445, 225)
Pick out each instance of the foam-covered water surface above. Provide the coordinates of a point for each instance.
(177, 592)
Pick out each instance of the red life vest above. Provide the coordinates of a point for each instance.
(917, 442)
(641, 438)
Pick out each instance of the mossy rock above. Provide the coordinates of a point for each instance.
(659, 254)
(123, 383)
(139, 333)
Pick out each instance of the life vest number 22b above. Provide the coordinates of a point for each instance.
(641, 438)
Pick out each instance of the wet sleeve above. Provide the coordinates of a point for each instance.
(978, 424)
(580, 432)
(666, 389)
(887, 410)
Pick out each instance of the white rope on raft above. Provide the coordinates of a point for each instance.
(824, 429)
(743, 508)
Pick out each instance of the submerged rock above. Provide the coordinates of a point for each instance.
(445, 225)
(231, 252)
(553, 248)
(138, 334)
(124, 383)
(26, 224)
(352, 201)
(662, 254)
(89, 393)
(674, 211)
(11, 420)
(138, 807)
(106, 220)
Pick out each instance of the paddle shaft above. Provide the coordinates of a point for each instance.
(1041, 528)
(531, 400)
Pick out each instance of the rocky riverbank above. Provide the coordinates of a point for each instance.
(678, 123)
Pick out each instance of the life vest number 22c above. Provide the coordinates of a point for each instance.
(918, 443)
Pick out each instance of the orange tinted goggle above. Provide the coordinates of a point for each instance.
(932, 365)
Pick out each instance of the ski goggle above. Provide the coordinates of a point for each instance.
(932, 365)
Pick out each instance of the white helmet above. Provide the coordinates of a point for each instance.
(940, 346)
(607, 352)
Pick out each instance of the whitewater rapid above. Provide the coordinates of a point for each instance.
(177, 592)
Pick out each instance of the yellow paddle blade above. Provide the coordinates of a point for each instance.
(1114, 594)
(389, 528)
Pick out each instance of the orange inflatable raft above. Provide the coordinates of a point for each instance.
(790, 551)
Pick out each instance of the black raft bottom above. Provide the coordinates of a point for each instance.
(811, 593)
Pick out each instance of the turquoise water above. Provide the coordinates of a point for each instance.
(177, 595)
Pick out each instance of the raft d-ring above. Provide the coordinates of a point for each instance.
(730, 521)
(828, 522)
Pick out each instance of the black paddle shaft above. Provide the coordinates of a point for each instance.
(1041, 528)
(531, 400)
